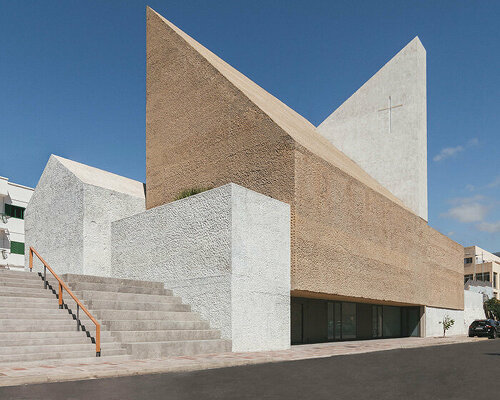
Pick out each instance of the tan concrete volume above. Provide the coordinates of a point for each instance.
(208, 125)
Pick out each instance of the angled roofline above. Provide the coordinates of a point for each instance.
(296, 126)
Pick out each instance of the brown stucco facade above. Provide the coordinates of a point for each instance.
(208, 125)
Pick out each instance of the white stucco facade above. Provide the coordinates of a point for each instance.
(11, 227)
(383, 127)
(226, 252)
(68, 220)
(473, 309)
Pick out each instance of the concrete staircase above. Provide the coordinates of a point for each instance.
(33, 328)
(145, 317)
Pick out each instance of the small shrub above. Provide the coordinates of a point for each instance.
(190, 192)
(492, 308)
(447, 323)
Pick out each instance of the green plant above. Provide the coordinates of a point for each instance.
(447, 323)
(492, 308)
(189, 192)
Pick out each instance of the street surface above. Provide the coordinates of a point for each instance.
(458, 371)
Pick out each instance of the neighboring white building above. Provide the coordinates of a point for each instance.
(13, 201)
(482, 269)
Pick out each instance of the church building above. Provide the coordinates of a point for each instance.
(300, 234)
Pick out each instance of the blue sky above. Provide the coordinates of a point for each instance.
(72, 82)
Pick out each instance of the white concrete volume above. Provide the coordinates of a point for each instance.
(383, 127)
(226, 251)
(68, 219)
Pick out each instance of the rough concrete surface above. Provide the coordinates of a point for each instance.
(68, 220)
(391, 145)
(208, 125)
(225, 251)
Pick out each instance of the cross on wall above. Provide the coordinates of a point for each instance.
(390, 108)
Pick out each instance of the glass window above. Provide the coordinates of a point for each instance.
(392, 321)
(485, 277)
(468, 260)
(331, 322)
(17, 248)
(14, 211)
(348, 320)
(338, 321)
(377, 321)
(468, 277)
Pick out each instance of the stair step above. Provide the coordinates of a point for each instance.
(80, 339)
(146, 325)
(25, 292)
(29, 313)
(74, 278)
(58, 355)
(166, 335)
(90, 295)
(186, 348)
(57, 348)
(88, 359)
(26, 283)
(144, 315)
(28, 302)
(133, 315)
(105, 287)
(25, 325)
(171, 305)
(39, 335)
(50, 341)
(19, 275)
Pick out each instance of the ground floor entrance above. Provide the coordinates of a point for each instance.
(316, 320)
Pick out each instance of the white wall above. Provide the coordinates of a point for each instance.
(226, 252)
(435, 315)
(68, 221)
(392, 149)
(473, 309)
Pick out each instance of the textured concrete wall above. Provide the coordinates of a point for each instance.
(351, 241)
(260, 252)
(188, 144)
(101, 207)
(473, 307)
(53, 219)
(226, 251)
(433, 317)
(209, 125)
(68, 221)
(390, 146)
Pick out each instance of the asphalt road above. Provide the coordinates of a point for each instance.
(462, 371)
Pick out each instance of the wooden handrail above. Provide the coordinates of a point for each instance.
(62, 286)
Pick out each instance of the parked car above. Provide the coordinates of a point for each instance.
(485, 327)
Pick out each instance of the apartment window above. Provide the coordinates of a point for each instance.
(468, 277)
(17, 248)
(485, 277)
(14, 211)
(495, 280)
(468, 260)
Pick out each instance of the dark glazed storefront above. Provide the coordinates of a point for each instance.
(316, 320)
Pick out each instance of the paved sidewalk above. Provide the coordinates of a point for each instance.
(65, 370)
